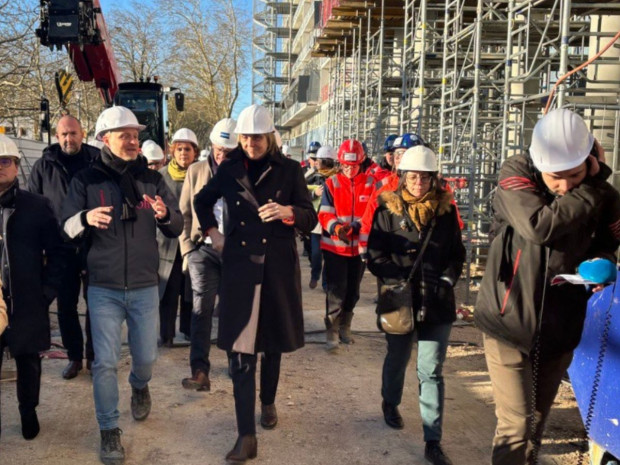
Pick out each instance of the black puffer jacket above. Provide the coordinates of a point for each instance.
(125, 255)
(538, 237)
(50, 178)
(393, 244)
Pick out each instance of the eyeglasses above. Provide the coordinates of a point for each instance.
(5, 162)
(423, 178)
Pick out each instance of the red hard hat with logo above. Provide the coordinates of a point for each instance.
(351, 152)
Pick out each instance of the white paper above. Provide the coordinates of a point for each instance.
(571, 279)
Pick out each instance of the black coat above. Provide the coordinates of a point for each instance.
(537, 237)
(260, 266)
(393, 244)
(49, 177)
(33, 251)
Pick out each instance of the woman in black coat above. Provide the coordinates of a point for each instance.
(260, 289)
(401, 222)
(32, 264)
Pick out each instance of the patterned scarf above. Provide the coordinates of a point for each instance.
(175, 171)
(422, 210)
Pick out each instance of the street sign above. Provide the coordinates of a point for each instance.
(64, 85)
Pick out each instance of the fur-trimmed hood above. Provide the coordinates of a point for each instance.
(396, 205)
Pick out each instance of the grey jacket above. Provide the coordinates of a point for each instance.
(125, 255)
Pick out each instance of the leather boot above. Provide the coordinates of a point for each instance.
(112, 451)
(72, 369)
(345, 328)
(140, 403)
(198, 382)
(392, 416)
(30, 424)
(268, 416)
(245, 448)
(332, 326)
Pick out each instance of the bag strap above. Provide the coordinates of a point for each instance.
(427, 239)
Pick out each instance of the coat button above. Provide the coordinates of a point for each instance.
(243, 244)
(238, 203)
(242, 223)
(264, 241)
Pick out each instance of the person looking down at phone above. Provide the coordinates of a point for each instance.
(553, 209)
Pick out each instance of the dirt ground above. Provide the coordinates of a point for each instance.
(329, 407)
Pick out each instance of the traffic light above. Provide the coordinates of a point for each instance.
(45, 115)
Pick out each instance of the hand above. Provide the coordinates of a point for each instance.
(318, 192)
(343, 231)
(598, 288)
(158, 205)
(273, 211)
(217, 239)
(600, 151)
(594, 166)
(99, 217)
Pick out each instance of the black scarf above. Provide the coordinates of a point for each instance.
(123, 173)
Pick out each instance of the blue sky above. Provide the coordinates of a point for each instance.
(245, 98)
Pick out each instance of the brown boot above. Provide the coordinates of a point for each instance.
(245, 448)
(268, 416)
(199, 382)
(345, 328)
(332, 325)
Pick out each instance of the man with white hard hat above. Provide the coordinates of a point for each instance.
(154, 155)
(50, 177)
(31, 262)
(553, 210)
(119, 203)
(203, 261)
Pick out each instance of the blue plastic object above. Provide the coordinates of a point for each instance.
(314, 147)
(388, 145)
(407, 140)
(598, 270)
(596, 362)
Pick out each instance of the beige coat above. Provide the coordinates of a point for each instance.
(198, 174)
(4, 318)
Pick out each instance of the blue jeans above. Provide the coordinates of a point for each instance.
(432, 347)
(205, 268)
(108, 309)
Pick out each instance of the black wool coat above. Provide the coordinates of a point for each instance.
(261, 279)
(394, 243)
(33, 250)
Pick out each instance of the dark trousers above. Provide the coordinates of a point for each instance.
(205, 268)
(68, 318)
(28, 379)
(432, 348)
(169, 303)
(512, 378)
(316, 260)
(344, 275)
(243, 368)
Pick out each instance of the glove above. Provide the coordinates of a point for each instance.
(342, 231)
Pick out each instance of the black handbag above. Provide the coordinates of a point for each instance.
(395, 303)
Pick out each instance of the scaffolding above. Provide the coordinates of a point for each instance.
(472, 77)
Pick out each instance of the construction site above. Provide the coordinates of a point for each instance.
(471, 77)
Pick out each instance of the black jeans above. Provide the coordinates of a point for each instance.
(28, 379)
(67, 303)
(205, 268)
(169, 303)
(344, 275)
(243, 368)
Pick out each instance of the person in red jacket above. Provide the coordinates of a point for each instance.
(344, 201)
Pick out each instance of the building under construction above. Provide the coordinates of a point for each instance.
(472, 77)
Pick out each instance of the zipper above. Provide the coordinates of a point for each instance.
(514, 275)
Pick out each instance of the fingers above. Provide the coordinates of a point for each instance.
(99, 217)
(594, 166)
(150, 200)
(270, 212)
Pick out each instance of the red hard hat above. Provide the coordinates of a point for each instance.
(351, 152)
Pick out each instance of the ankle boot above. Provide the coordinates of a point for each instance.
(112, 451)
(345, 328)
(245, 448)
(268, 416)
(30, 424)
(332, 326)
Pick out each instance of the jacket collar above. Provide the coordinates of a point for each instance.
(52, 153)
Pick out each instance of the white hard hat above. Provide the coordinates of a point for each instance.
(204, 154)
(185, 135)
(8, 148)
(116, 118)
(255, 119)
(560, 141)
(223, 133)
(152, 151)
(418, 158)
(278, 138)
(327, 152)
(286, 149)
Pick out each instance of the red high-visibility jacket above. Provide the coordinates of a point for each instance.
(343, 203)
